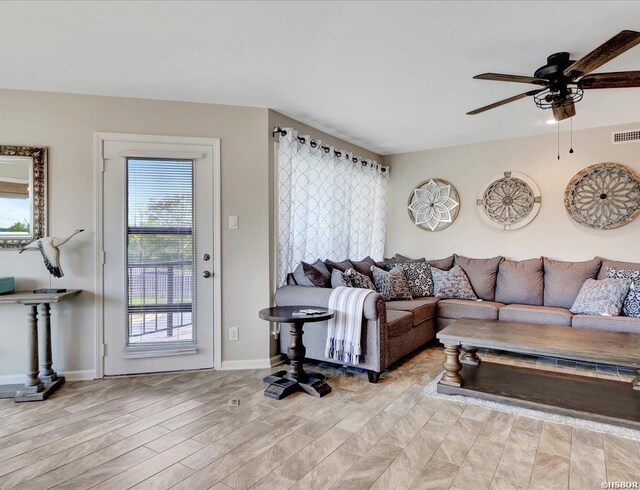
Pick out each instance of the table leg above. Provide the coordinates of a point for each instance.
(33, 383)
(636, 380)
(469, 355)
(282, 384)
(452, 366)
(47, 374)
(296, 352)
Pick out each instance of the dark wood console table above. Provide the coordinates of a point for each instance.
(283, 383)
(601, 400)
(41, 381)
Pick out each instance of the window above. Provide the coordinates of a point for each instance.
(160, 251)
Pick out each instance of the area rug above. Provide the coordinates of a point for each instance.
(431, 390)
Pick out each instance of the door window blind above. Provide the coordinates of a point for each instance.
(160, 253)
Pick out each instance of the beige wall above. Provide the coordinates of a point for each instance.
(65, 124)
(553, 233)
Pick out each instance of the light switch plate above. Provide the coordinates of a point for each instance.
(233, 333)
(233, 222)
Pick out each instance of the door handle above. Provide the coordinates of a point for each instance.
(206, 274)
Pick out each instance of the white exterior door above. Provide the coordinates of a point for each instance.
(159, 255)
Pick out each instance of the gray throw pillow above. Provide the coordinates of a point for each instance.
(520, 282)
(391, 284)
(419, 279)
(338, 279)
(312, 275)
(341, 266)
(563, 280)
(482, 274)
(631, 305)
(452, 284)
(601, 297)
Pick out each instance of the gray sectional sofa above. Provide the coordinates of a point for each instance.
(539, 291)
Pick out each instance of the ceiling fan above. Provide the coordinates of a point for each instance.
(564, 80)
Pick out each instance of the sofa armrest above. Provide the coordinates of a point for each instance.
(374, 306)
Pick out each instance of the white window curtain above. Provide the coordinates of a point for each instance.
(330, 207)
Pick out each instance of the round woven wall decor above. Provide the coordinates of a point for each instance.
(603, 196)
(509, 201)
(433, 205)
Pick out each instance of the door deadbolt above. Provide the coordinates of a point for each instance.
(206, 274)
(206, 257)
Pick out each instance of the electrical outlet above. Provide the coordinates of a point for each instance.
(233, 222)
(233, 333)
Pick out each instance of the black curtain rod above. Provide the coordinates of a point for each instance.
(314, 144)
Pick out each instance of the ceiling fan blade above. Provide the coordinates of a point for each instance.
(505, 101)
(510, 78)
(618, 79)
(614, 47)
(564, 112)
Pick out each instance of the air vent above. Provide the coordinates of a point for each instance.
(622, 137)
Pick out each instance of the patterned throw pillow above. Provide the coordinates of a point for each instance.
(354, 279)
(419, 279)
(452, 284)
(631, 305)
(392, 284)
(601, 297)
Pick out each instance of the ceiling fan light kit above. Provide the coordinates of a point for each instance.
(564, 80)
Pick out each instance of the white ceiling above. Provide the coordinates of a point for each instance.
(390, 76)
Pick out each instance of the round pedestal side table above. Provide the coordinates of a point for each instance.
(283, 383)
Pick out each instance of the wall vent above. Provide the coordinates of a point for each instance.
(622, 137)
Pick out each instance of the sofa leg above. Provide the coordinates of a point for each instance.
(374, 376)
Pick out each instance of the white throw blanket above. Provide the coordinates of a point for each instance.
(343, 336)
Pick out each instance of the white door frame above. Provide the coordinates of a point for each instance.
(98, 143)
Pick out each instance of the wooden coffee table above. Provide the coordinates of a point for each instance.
(283, 383)
(597, 399)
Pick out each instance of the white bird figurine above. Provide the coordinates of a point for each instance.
(49, 248)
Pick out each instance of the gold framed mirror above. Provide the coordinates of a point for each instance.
(23, 195)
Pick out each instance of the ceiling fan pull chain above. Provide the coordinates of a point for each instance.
(571, 149)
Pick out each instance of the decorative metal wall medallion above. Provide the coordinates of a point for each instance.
(509, 201)
(603, 196)
(434, 205)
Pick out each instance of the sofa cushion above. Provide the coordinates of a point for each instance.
(422, 308)
(631, 306)
(341, 266)
(615, 264)
(451, 284)
(520, 282)
(442, 264)
(610, 323)
(391, 284)
(482, 274)
(546, 315)
(314, 275)
(419, 278)
(563, 280)
(461, 308)
(398, 323)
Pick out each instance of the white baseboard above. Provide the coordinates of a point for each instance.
(251, 364)
(12, 379)
(277, 360)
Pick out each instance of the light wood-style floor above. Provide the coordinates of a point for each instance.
(177, 431)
